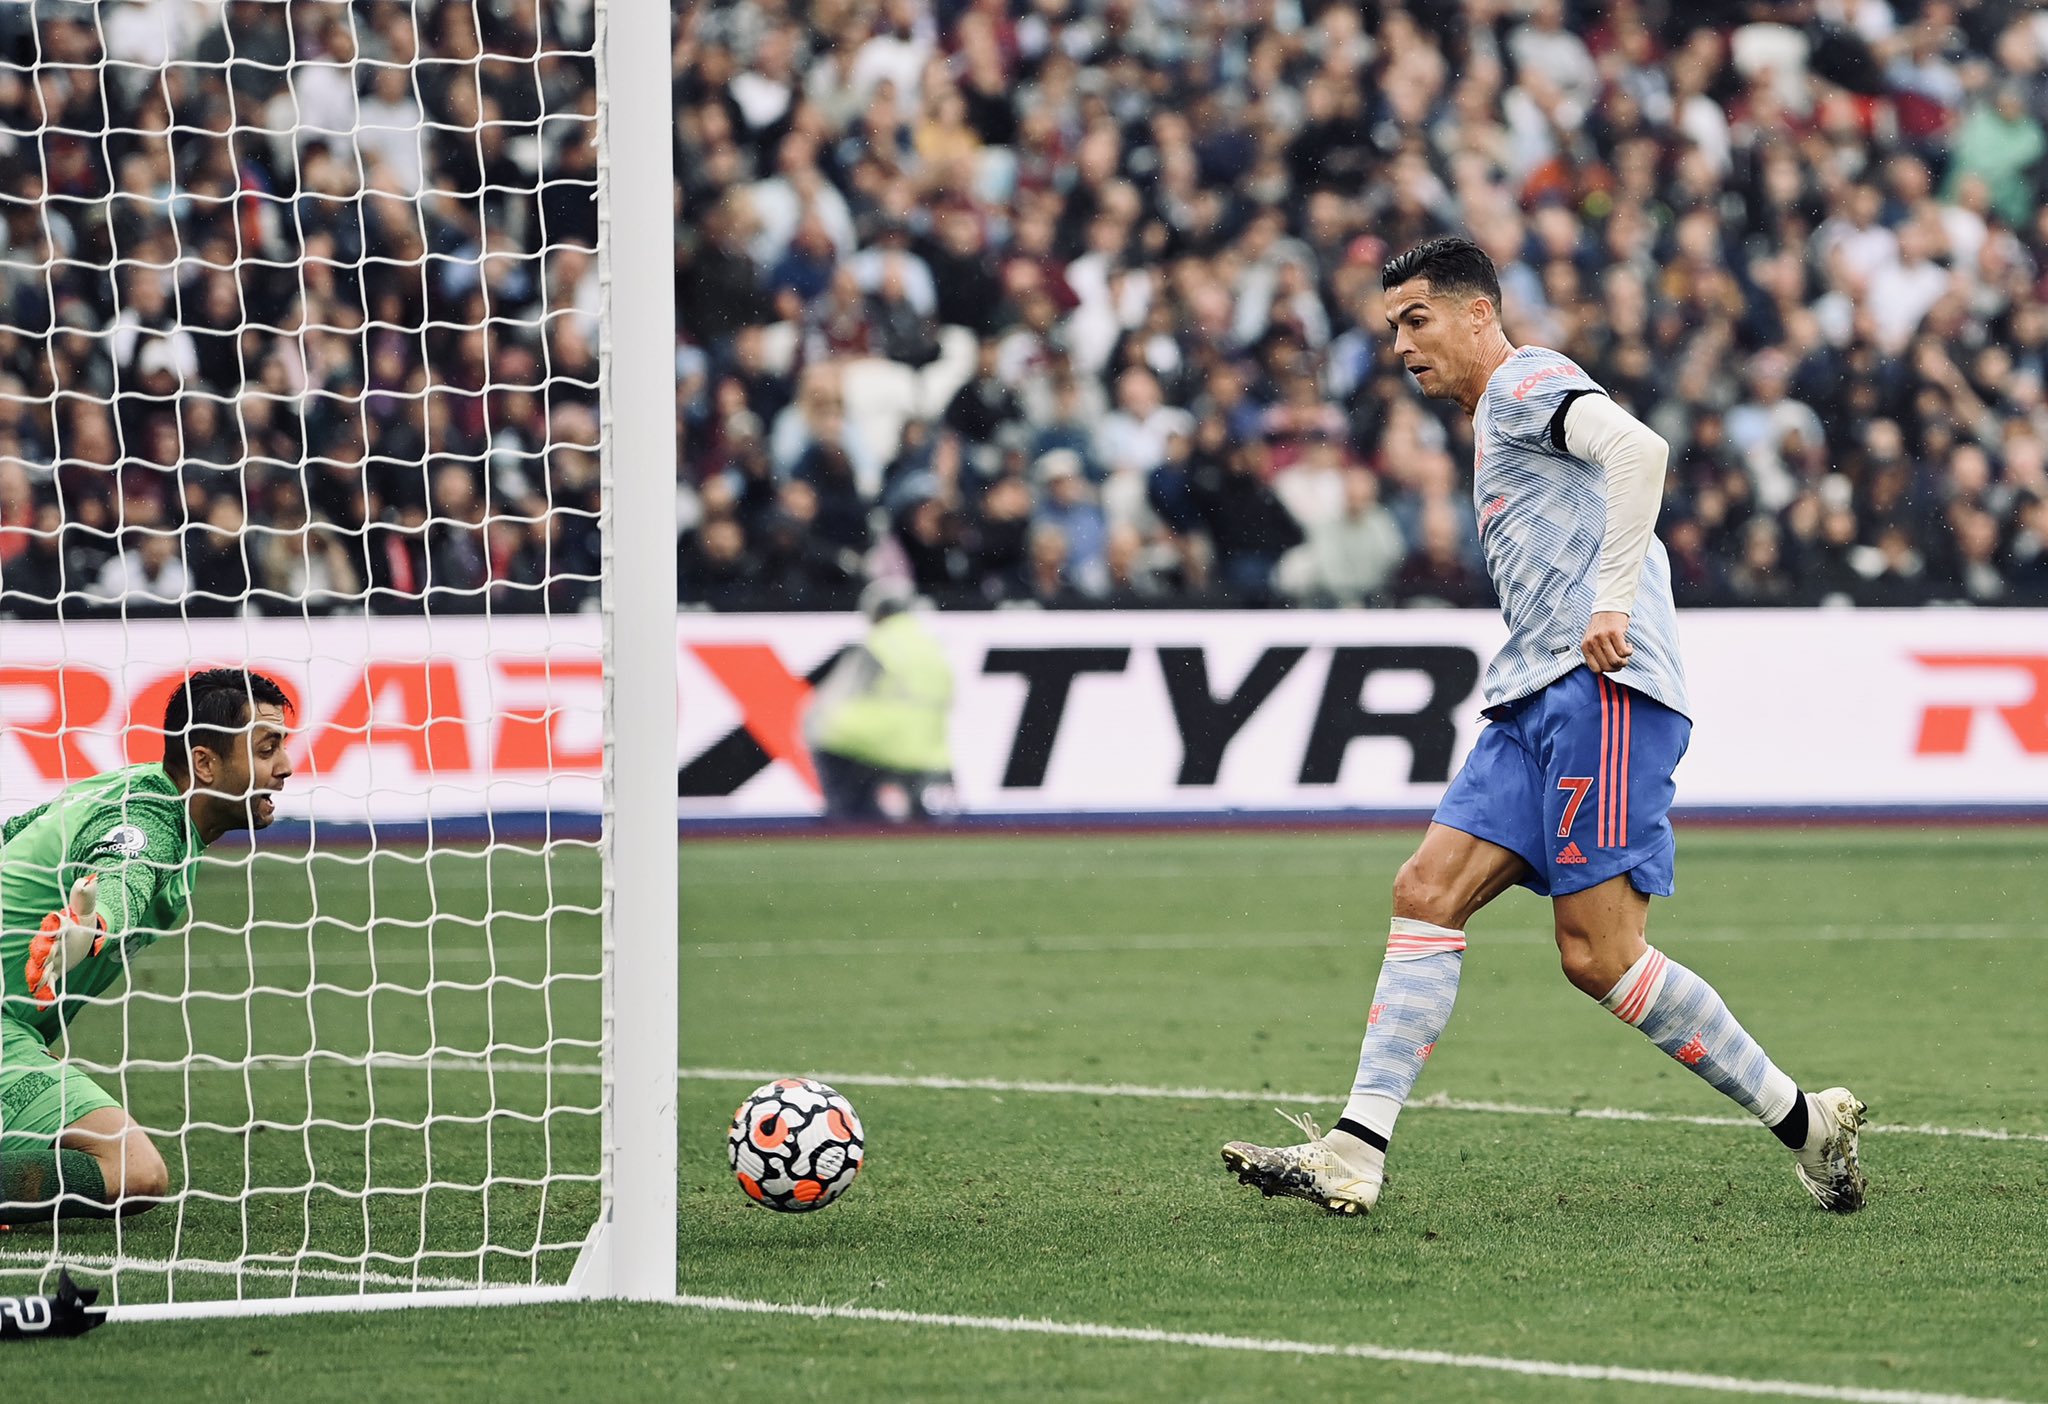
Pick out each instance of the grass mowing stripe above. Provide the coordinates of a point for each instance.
(503, 952)
(955, 857)
(1096, 944)
(1549, 1369)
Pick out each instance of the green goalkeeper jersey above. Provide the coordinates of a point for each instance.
(130, 828)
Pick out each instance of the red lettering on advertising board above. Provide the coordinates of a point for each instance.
(1945, 727)
(429, 729)
(527, 739)
(771, 700)
(76, 701)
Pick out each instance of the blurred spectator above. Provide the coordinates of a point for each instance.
(1132, 581)
(837, 511)
(1132, 438)
(1773, 432)
(1349, 558)
(149, 572)
(1069, 504)
(1045, 567)
(1250, 528)
(1001, 538)
(721, 286)
(1436, 571)
(1760, 577)
(2002, 143)
(306, 564)
(984, 406)
(715, 568)
(902, 332)
(35, 579)
(213, 550)
(2029, 553)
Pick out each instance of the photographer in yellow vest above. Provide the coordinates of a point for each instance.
(877, 724)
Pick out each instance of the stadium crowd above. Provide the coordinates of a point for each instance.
(298, 307)
(1066, 302)
(1077, 301)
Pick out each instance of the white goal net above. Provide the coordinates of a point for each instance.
(306, 350)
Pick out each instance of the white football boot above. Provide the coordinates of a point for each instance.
(1313, 1170)
(1827, 1163)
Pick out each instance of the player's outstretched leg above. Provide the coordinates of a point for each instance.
(1681, 1013)
(102, 1165)
(1452, 876)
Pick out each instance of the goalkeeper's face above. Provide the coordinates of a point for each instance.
(253, 770)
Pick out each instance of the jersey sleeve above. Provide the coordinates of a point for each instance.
(1530, 408)
(132, 848)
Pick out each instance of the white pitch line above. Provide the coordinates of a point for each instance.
(1436, 1101)
(1086, 1330)
(1268, 1345)
(107, 1262)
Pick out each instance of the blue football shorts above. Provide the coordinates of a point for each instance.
(1577, 780)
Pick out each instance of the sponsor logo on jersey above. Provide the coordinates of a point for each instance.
(124, 842)
(1572, 854)
(1530, 382)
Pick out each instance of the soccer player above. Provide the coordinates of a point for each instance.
(88, 881)
(1568, 790)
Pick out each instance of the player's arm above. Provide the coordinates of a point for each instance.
(65, 938)
(111, 884)
(131, 854)
(1632, 456)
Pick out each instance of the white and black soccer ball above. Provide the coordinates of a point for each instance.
(795, 1145)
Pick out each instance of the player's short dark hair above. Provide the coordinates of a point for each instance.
(207, 710)
(1453, 264)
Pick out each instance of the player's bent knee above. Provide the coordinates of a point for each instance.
(1591, 970)
(1419, 896)
(135, 1174)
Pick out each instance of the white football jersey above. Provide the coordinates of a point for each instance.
(1542, 514)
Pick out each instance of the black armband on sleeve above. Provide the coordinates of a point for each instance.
(1564, 407)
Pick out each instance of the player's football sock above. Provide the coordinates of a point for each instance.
(1794, 1128)
(29, 1179)
(1683, 1015)
(1411, 1005)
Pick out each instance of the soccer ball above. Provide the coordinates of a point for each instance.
(795, 1145)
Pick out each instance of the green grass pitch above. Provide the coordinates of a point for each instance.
(1909, 963)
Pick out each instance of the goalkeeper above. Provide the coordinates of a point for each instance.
(87, 881)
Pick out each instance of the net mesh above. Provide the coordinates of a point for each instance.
(299, 316)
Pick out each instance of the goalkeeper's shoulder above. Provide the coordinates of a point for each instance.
(125, 815)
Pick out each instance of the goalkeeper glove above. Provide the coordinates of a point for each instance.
(67, 938)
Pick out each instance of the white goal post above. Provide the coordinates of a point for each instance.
(637, 1244)
(418, 1046)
